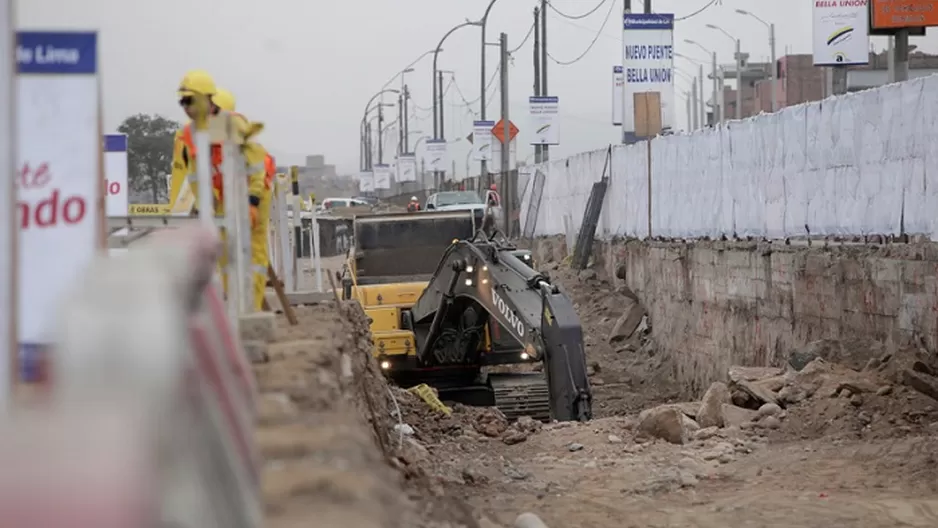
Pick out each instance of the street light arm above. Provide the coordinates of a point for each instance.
(699, 45)
(721, 30)
(436, 54)
(373, 97)
(753, 15)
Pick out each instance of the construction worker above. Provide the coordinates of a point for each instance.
(260, 252)
(199, 83)
(414, 205)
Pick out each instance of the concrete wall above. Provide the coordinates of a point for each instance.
(714, 304)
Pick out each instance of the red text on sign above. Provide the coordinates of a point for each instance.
(51, 211)
(33, 176)
(112, 187)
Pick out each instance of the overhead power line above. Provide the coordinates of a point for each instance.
(709, 4)
(576, 17)
(524, 41)
(599, 33)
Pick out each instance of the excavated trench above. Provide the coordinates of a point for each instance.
(855, 448)
(325, 422)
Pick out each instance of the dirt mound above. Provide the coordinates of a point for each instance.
(325, 431)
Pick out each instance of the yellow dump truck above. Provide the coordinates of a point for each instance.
(447, 303)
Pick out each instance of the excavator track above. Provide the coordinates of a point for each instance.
(518, 395)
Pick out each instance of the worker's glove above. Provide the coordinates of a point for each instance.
(255, 202)
(254, 214)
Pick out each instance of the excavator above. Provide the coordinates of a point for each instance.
(452, 306)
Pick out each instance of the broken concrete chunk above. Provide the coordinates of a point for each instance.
(927, 385)
(666, 423)
(760, 394)
(628, 322)
(734, 416)
(688, 408)
(710, 412)
(738, 373)
(769, 409)
(774, 384)
(529, 520)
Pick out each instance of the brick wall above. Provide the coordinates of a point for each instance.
(714, 304)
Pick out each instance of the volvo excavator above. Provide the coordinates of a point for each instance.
(450, 306)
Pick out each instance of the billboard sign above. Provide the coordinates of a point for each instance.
(898, 14)
(841, 34)
(647, 64)
(545, 124)
(115, 172)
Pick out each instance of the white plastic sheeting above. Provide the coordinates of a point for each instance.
(854, 164)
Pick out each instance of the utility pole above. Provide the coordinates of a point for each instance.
(692, 121)
(400, 124)
(406, 121)
(545, 150)
(537, 69)
(506, 133)
(647, 7)
(438, 175)
(380, 125)
(901, 59)
(774, 72)
(690, 113)
(739, 80)
(703, 102)
(716, 100)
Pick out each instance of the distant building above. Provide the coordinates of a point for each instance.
(799, 81)
(320, 178)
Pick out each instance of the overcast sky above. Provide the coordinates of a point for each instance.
(306, 68)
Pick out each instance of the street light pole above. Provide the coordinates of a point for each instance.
(773, 71)
(365, 164)
(739, 68)
(716, 103)
(433, 78)
(703, 105)
(483, 166)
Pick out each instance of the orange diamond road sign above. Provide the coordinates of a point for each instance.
(499, 131)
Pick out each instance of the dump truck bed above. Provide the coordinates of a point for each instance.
(406, 247)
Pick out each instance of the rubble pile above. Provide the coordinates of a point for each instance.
(809, 398)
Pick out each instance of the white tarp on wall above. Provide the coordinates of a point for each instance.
(857, 164)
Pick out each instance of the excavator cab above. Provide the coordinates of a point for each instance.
(449, 305)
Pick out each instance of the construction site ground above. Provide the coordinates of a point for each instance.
(819, 445)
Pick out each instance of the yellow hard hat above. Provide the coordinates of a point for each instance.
(197, 82)
(224, 99)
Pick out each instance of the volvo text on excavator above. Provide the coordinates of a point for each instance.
(450, 306)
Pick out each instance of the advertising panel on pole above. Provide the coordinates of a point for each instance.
(496, 166)
(58, 180)
(434, 155)
(482, 140)
(841, 32)
(545, 122)
(898, 14)
(8, 228)
(407, 168)
(618, 85)
(115, 173)
(382, 174)
(647, 64)
(366, 181)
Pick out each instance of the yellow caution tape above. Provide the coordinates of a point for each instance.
(429, 396)
(150, 210)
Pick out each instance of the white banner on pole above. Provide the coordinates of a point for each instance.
(841, 33)
(8, 228)
(366, 181)
(382, 176)
(59, 181)
(407, 168)
(496, 166)
(545, 122)
(618, 85)
(647, 64)
(115, 172)
(434, 155)
(482, 140)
